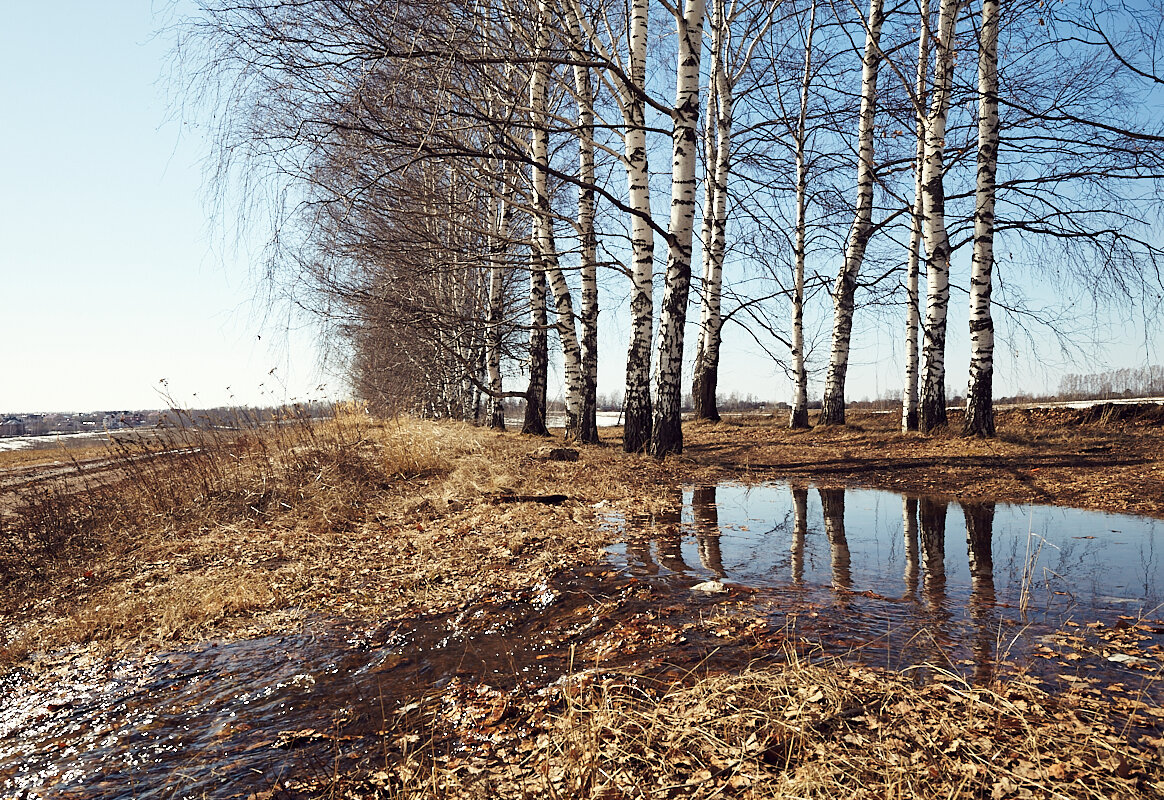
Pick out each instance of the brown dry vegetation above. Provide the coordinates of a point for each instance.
(796, 730)
(256, 530)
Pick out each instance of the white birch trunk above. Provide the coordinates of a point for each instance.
(667, 431)
(588, 422)
(717, 162)
(637, 410)
(543, 228)
(932, 412)
(799, 415)
(535, 398)
(499, 233)
(979, 419)
(909, 395)
(844, 290)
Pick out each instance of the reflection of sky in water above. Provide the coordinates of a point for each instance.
(1082, 559)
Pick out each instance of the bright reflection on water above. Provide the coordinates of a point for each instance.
(862, 540)
(905, 580)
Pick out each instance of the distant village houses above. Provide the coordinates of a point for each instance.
(49, 424)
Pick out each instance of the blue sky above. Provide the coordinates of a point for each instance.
(115, 279)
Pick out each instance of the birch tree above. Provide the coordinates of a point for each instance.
(628, 78)
(937, 242)
(666, 429)
(909, 395)
(979, 419)
(588, 246)
(543, 223)
(798, 417)
(716, 159)
(725, 71)
(833, 402)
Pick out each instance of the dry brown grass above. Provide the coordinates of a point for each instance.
(353, 516)
(794, 730)
(54, 451)
(348, 516)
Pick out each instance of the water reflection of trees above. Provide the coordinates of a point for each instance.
(832, 503)
(979, 541)
(909, 528)
(669, 534)
(932, 515)
(705, 514)
(799, 532)
(930, 636)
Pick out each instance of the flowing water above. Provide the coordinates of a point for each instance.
(863, 574)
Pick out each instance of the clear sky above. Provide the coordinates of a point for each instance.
(114, 279)
(112, 276)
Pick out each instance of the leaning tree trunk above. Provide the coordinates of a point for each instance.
(539, 359)
(543, 226)
(588, 423)
(799, 416)
(717, 161)
(832, 411)
(979, 398)
(909, 399)
(932, 413)
(667, 431)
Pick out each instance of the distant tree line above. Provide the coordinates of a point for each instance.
(1130, 382)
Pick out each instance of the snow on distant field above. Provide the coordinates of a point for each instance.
(1083, 403)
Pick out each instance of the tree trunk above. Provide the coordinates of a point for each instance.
(798, 419)
(666, 429)
(932, 412)
(979, 419)
(909, 398)
(588, 241)
(833, 403)
(637, 411)
(543, 225)
(499, 216)
(717, 160)
(539, 359)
